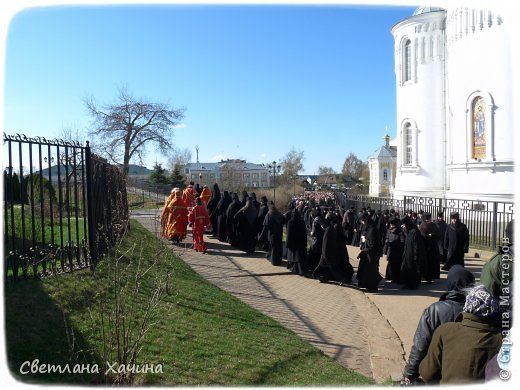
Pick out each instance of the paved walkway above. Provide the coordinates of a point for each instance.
(370, 333)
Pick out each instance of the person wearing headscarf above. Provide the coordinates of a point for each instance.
(177, 222)
(414, 256)
(221, 213)
(456, 241)
(460, 350)
(246, 219)
(232, 223)
(273, 232)
(296, 242)
(447, 309)
(212, 208)
(189, 195)
(199, 219)
(430, 234)
(371, 250)
(205, 195)
(393, 249)
(334, 262)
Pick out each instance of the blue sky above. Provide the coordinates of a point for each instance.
(256, 81)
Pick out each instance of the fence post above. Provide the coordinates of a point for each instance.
(90, 208)
(494, 227)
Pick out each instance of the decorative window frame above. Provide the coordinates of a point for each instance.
(414, 166)
(405, 65)
(490, 126)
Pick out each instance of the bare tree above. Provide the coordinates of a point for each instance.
(291, 164)
(178, 158)
(325, 171)
(353, 166)
(126, 127)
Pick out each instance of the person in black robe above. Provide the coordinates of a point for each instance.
(296, 240)
(246, 219)
(317, 231)
(334, 262)
(456, 242)
(273, 232)
(256, 203)
(393, 249)
(222, 225)
(348, 225)
(442, 225)
(430, 233)
(413, 256)
(232, 223)
(212, 209)
(358, 226)
(371, 250)
(243, 201)
(262, 212)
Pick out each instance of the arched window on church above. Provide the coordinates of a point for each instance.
(385, 174)
(478, 128)
(407, 61)
(408, 144)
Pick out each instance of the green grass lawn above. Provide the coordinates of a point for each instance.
(201, 335)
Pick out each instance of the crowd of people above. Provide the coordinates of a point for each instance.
(455, 338)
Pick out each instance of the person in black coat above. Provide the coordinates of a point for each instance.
(393, 249)
(348, 225)
(222, 225)
(371, 250)
(334, 262)
(430, 234)
(456, 242)
(232, 223)
(447, 309)
(246, 218)
(442, 225)
(273, 232)
(262, 212)
(212, 209)
(317, 231)
(296, 242)
(414, 256)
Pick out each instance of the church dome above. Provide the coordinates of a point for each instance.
(425, 10)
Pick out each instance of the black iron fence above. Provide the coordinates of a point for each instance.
(486, 220)
(50, 224)
(143, 188)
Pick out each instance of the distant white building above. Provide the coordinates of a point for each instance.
(381, 165)
(229, 174)
(454, 106)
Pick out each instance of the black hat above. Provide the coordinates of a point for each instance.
(454, 215)
(427, 216)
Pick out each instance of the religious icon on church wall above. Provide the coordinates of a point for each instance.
(479, 128)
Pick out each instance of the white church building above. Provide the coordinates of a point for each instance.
(454, 108)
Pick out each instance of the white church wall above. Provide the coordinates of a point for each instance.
(420, 102)
(479, 63)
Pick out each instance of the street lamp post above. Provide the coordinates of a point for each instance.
(276, 168)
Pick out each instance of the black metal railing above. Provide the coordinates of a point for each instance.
(50, 224)
(486, 220)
